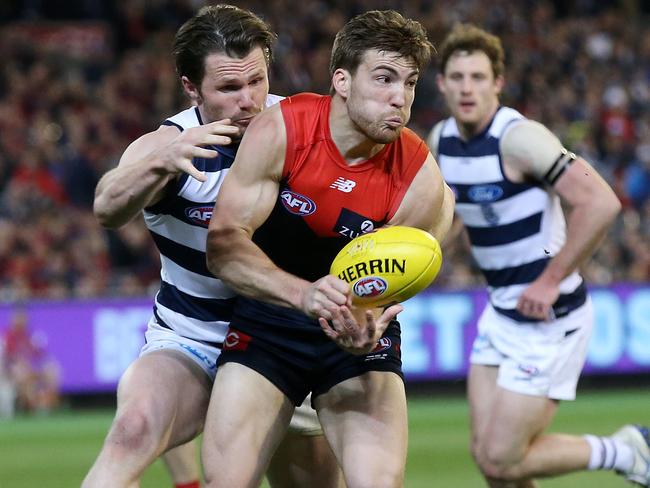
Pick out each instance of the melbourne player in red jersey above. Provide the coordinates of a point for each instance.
(311, 174)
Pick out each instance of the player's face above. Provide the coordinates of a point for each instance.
(470, 89)
(381, 93)
(234, 88)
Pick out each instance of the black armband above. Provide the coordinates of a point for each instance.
(564, 160)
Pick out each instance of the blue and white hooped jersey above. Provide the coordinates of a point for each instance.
(514, 228)
(191, 301)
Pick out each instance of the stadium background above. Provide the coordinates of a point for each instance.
(80, 79)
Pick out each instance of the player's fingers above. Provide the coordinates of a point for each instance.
(349, 322)
(337, 322)
(530, 308)
(215, 140)
(323, 312)
(371, 326)
(333, 290)
(191, 170)
(218, 123)
(200, 152)
(337, 284)
(325, 326)
(391, 312)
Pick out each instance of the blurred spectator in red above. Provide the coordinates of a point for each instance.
(33, 372)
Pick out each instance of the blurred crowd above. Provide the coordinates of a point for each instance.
(81, 79)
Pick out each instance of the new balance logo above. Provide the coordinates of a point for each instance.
(343, 185)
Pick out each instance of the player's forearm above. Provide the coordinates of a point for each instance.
(586, 228)
(124, 191)
(243, 266)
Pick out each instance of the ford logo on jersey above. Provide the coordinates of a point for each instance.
(297, 204)
(199, 215)
(485, 193)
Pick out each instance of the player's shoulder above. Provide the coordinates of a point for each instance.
(522, 131)
(305, 99)
(267, 126)
(185, 119)
(410, 140)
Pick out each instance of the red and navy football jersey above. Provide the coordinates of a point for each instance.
(322, 201)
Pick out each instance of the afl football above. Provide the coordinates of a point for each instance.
(388, 266)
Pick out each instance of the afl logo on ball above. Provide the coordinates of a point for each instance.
(297, 204)
(199, 215)
(371, 286)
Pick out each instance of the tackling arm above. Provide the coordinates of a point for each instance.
(149, 163)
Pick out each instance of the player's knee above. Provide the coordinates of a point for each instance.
(131, 430)
(496, 463)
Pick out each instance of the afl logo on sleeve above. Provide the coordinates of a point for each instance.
(199, 215)
(297, 204)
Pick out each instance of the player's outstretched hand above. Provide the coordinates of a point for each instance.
(324, 297)
(176, 157)
(358, 336)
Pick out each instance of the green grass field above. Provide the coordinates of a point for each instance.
(55, 451)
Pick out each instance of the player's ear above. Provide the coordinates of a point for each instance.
(440, 81)
(341, 82)
(191, 90)
(499, 81)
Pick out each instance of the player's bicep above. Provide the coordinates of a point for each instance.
(250, 189)
(423, 200)
(531, 150)
(580, 184)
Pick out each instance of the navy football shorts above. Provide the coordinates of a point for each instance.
(298, 362)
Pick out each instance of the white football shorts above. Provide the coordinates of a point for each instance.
(535, 358)
(304, 420)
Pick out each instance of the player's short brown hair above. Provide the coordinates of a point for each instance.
(470, 38)
(383, 30)
(219, 29)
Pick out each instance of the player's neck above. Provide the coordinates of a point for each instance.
(355, 146)
(471, 130)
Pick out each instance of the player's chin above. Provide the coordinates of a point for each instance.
(387, 134)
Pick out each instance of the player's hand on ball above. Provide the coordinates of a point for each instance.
(325, 296)
(358, 332)
(176, 157)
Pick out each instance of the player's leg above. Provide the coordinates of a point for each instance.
(540, 364)
(161, 402)
(304, 457)
(364, 419)
(247, 418)
(508, 441)
(182, 464)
